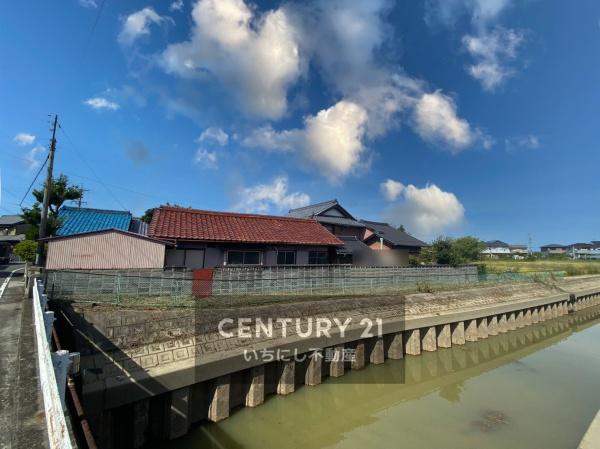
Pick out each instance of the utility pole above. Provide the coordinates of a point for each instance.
(39, 258)
(80, 201)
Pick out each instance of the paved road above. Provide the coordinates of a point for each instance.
(22, 421)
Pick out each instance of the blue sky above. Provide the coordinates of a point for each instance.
(452, 117)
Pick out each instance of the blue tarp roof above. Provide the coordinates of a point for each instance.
(77, 220)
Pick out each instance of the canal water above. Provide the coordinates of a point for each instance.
(538, 387)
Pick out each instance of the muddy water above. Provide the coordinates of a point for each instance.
(538, 387)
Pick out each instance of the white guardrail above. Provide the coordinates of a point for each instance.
(52, 366)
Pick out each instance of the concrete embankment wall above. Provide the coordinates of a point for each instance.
(161, 401)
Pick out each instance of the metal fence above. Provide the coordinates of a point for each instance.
(169, 287)
(320, 279)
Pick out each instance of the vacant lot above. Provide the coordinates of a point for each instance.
(571, 267)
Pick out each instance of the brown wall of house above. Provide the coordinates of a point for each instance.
(215, 254)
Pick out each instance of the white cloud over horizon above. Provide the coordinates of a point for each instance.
(177, 5)
(426, 211)
(528, 142)
(260, 56)
(256, 56)
(23, 139)
(436, 121)
(330, 142)
(205, 158)
(31, 159)
(138, 24)
(492, 52)
(214, 134)
(100, 103)
(262, 198)
(88, 4)
(492, 47)
(391, 189)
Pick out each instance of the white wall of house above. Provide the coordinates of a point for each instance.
(104, 251)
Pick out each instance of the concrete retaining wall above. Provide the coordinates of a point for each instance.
(208, 386)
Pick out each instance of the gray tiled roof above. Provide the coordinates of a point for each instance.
(351, 245)
(137, 226)
(496, 244)
(393, 235)
(312, 210)
(12, 238)
(339, 221)
(10, 220)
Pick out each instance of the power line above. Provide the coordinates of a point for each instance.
(94, 25)
(91, 169)
(125, 189)
(34, 179)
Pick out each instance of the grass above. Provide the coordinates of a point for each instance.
(570, 267)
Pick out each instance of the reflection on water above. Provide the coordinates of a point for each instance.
(537, 387)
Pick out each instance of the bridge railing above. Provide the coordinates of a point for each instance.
(52, 368)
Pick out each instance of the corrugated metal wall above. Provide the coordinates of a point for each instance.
(105, 251)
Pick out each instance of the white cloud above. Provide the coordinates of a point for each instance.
(138, 24)
(267, 138)
(344, 36)
(264, 197)
(529, 142)
(31, 158)
(99, 103)
(426, 211)
(436, 121)
(177, 5)
(492, 52)
(205, 158)
(88, 3)
(391, 189)
(257, 57)
(214, 134)
(24, 139)
(447, 12)
(493, 48)
(330, 142)
(335, 140)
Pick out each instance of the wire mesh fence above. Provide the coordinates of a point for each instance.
(181, 288)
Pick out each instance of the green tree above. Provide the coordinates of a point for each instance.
(60, 193)
(467, 249)
(443, 251)
(26, 250)
(147, 217)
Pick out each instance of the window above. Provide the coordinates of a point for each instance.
(318, 257)
(243, 257)
(286, 257)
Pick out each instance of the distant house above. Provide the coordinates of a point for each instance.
(206, 239)
(12, 231)
(520, 250)
(79, 220)
(553, 248)
(383, 236)
(583, 251)
(496, 248)
(376, 236)
(332, 216)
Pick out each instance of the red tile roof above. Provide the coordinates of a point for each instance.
(190, 224)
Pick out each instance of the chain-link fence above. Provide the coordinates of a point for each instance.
(168, 287)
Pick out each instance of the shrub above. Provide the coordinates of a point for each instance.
(26, 250)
